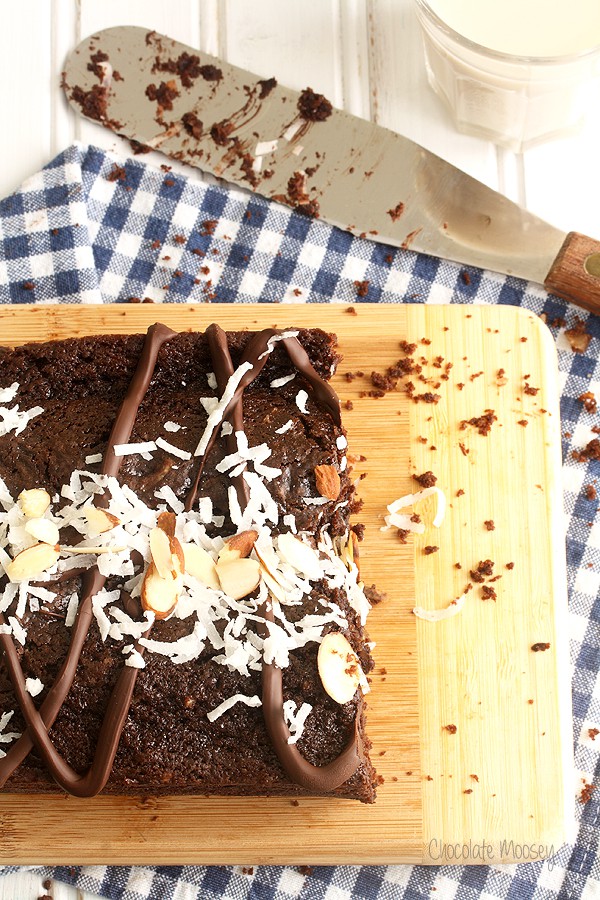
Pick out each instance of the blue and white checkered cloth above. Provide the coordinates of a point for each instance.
(92, 229)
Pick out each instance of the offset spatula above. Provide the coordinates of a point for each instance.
(294, 148)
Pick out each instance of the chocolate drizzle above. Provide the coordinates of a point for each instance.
(314, 778)
(39, 722)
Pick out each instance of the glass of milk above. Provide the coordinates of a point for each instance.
(517, 72)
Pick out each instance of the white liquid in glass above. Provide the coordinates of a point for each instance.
(525, 27)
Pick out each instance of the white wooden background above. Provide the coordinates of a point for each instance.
(365, 55)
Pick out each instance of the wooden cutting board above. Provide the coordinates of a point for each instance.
(495, 786)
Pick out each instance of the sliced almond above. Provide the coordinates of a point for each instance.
(353, 550)
(270, 579)
(327, 479)
(162, 557)
(238, 546)
(299, 555)
(99, 520)
(239, 577)
(339, 668)
(200, 564)
(43, 530)
(167, 522)
(34, 502)
(32, 562)
(158, 594)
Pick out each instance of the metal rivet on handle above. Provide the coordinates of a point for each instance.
(592, 264)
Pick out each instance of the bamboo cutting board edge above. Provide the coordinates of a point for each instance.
(142, 831)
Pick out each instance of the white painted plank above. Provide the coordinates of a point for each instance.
(355, 57)
(298, 43)
(562, 182)
(63, 37)
(25, 46)
(404, 102)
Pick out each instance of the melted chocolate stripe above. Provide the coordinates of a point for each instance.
(224, 369)
(40, 721)
(318, 779)
(256, 348)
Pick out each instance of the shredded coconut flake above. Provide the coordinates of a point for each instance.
(266, 147)
(436, 615)
(15, 419)
(212, 380)
(274, 339)
(9, 393)
(296, 719)
(231, 701)
(216, 415)
(93, 458)
(172, 449)
(279, 382)
(301, 401)
(130, 449)
(341, 442)
(289, 424)
(135, 660)
(34, 686)
(71, 610)
(409, 500)
(172, 426)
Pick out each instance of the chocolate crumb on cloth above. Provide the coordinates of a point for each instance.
(189, 664)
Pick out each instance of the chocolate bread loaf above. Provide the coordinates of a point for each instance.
(181, 608)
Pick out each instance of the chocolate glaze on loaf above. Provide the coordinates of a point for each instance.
(167, 742)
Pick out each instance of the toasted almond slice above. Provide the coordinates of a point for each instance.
(158, 594)
(299, 555)
(239, 578)
(327, 480)
(339, 668)
(354, 551)
(34, 502)
(200, 564)
(99, 520)
(160, 548)
(167, 522)
(178, 555)
(32, 561)
(270, 579)
(238, 546)
(43, 530)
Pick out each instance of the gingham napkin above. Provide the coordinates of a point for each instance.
(93, 229)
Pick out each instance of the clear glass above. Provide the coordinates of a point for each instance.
(515, 101)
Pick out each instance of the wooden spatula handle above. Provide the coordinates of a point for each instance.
(575, 273)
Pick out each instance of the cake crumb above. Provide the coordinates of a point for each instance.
(592, 732)
(430, 549)
(396, 212)
(426, 479)
(451, 729)
(586, 792)
(540, 646)
(578, 337)
(589, 401)
(590, 451)
(489, 524)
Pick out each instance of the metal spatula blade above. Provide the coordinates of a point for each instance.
(294, 148)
